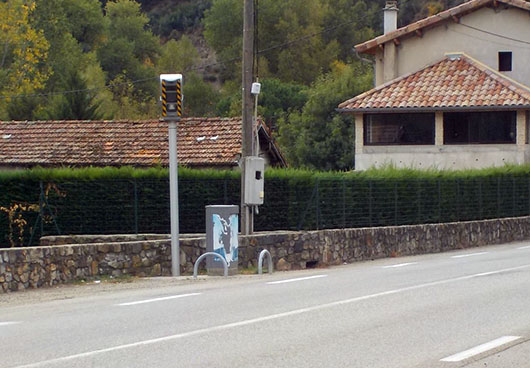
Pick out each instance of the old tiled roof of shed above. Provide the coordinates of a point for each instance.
(452, 14)
(456, 82)
(201, 142)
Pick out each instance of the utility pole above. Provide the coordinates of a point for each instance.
(247, 217)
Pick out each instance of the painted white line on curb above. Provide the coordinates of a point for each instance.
(526, 247)
(262, 319)
(469, 255)
(297, 279)
(158, 299)
(400, 265)
(9, 323)
(480, 349)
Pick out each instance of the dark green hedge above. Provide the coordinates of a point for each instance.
(127, 200)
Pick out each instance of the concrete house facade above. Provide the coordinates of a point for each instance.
(451, 90)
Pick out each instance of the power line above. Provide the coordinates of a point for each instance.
(303, 38)
(495, 34)
(47, 94)
(485, 40)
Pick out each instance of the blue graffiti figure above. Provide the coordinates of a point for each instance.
(225, 237)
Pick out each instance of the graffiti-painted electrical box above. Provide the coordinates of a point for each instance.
(254, 180)
(222, 237)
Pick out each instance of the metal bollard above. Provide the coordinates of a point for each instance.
(196, 265)
(260, 261)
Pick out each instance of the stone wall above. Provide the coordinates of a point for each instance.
(81, 257)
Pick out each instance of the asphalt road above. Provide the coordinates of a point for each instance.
(468, 308)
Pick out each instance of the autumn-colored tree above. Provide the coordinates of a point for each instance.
(23, 52)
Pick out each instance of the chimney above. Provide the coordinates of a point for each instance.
(390, 16)
(390, 51)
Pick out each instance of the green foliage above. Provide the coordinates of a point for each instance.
(356, 22)
(96, 82)
(223, 24)
(182, 17)
(130, 50)
(177, 56)
(200, 98)
(278, 98)
(229, 104)
(128, 104)
(318, 137)
(129, 23)
(23, 108)
(65, 53)
(79, 105)
(86, 22)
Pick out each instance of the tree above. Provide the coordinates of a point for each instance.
(131, 49)
(200, 99)
(289, 31)
(86, 22)
(127, 104)
(170, 18)
(78, 104)
(23, 108)
(223, 23)
(177, 56)
(127, 22)
(319, 137)
(278, 98)
(23, 52)
(65, 53)
(350, 23)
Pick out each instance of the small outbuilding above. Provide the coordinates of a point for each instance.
(201, 143)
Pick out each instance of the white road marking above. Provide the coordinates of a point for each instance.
(401, 265)
(469, 255)
(158, 299)
(526, 247)
(480, 349)
(271, 317)
(297, 279)
(9, 323)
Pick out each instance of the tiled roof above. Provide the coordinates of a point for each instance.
(201, 142)
(450, 14)
(456, 82)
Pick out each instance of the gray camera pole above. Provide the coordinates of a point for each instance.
(174, 198)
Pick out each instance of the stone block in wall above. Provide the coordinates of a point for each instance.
(136, 248)
(103, 248)
(282, 265)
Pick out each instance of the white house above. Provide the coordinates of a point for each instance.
(451, 90)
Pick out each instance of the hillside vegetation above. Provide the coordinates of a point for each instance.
(95, 59)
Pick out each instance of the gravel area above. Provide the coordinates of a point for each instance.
(81, 289)
(94, 287)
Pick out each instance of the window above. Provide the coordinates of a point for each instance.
(505, 61)
(399, 129)
(479, 127)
